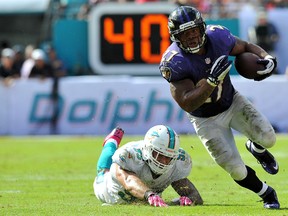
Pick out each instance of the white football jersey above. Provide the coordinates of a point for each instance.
(129, 157)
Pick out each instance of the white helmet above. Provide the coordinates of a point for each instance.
(164, 141)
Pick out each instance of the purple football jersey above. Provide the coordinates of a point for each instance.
(176, 65)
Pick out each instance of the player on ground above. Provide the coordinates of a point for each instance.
(142, 170)
(196, 66)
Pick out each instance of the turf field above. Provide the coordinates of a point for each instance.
(54, 176)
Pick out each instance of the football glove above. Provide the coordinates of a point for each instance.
(270, 64)
(155, 200)
(185, 201)
(219, 70)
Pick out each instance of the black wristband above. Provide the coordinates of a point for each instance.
(148, 193)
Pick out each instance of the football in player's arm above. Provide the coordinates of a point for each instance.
(143, 169)
(196, 66)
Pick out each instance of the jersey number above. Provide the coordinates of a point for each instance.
(218, 94)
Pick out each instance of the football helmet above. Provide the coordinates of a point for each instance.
(182, 19)
(160, 140)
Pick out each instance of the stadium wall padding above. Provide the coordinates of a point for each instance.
(93, 105)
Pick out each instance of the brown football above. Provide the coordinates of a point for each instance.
(246, 65)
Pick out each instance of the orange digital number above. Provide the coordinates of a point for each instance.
(125, 38)
(146, 22)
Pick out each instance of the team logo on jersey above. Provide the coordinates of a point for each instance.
(126, 196)
(122, 158)
(208, 61)
(166, 73)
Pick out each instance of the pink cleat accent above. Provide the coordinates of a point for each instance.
(116, 134)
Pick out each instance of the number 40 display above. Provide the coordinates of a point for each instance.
(128, 38)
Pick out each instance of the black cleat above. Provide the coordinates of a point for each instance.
(270, 199)
(266, 159)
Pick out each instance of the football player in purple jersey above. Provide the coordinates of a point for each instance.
(196, 66)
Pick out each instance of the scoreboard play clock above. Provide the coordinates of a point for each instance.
(128, 38)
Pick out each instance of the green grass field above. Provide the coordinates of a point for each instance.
(54, 176)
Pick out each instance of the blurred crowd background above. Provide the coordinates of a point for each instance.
(27, 48)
